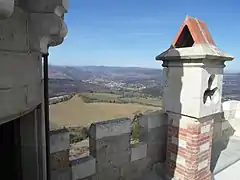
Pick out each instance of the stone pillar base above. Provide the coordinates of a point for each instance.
(189, 147)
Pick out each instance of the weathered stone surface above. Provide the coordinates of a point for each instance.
(6, 8)
(49, 28)
(83, 167)
(135, 169)
(16, 86)
(63, 174)
(110, 128)
(153, 120)
(13, 32)
(138, 151)
(110, 151)
(110, 145)
(59, 160)
(94, 177)
(59, 141)
(104, 161)
(156, 152)
(153, 135)
(217, 130)
(44, 6)
(112, 173)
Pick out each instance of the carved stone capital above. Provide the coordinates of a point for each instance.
(34, 26)
(49, 28)
(47, 20)
(6, 8)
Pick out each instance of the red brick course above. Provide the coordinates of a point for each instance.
(189, 154)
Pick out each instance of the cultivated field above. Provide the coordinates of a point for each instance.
(135, 97)
(76, 112)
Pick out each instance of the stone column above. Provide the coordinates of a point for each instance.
(192, 99)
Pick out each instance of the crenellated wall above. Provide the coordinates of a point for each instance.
(112, 156)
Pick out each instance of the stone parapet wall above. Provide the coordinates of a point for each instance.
(227, 123)
(112, 156)
(231, 111)
(153, 132)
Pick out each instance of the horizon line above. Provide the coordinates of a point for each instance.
(115, 66)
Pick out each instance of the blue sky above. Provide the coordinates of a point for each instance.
(133, 32)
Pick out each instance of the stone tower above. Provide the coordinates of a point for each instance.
(193, 68)
(27, 29)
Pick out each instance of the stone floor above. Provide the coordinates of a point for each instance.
(151, 176)
(227, 162)
(231, 173)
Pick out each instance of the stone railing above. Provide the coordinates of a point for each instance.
(112, 156)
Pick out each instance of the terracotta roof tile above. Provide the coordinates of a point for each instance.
(192, 31)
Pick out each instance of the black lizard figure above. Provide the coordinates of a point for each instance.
(209, 92)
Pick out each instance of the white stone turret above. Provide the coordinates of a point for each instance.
(193, 68)
(27, 29)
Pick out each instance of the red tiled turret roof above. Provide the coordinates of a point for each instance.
(192, 31)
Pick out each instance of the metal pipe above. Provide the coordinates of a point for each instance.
(46, 113)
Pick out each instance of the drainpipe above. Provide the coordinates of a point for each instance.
(46, 113)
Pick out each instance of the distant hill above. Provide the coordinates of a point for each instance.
(65, 79)
(117, 73)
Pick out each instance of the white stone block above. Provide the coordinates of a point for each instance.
(205, 129)
(226, 105)
(237, 114)
(109, 128)
(178, 159)
(61, 174)
(180, 142)
(59, 141)
(181, 121)
(153, 119)
(138, 151)
(203, 164)
(204, 147)
(185, 89)
(84, 168)
(13, 32)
